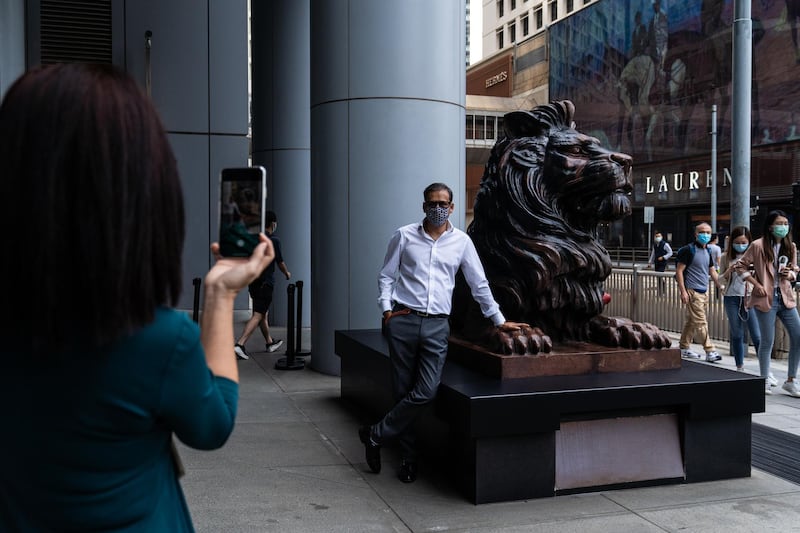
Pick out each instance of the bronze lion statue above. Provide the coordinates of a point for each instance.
(545, 189)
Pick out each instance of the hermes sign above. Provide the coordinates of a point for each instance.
(497, 78)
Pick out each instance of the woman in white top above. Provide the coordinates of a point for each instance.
(735, 293)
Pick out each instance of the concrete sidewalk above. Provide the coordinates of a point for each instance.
(782, 411)
(294, 464)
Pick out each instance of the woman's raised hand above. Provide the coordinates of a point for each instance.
(235, 273)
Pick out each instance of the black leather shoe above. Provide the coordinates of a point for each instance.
(407, 472)
(372, 451)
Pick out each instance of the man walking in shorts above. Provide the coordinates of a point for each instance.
(261, 293)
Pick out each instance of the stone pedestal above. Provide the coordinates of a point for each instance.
(507, 437)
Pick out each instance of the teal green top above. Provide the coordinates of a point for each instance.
(87, 439)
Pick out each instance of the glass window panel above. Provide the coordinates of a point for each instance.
(490, 127)
(479, 126)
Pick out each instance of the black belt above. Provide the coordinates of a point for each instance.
(401, 307)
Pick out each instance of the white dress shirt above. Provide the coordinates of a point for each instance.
(420, 273)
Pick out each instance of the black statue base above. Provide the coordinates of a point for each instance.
(543, 436)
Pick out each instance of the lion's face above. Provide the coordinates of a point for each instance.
(591, 184)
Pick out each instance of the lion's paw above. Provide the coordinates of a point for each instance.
(625, 333)
(527, 340)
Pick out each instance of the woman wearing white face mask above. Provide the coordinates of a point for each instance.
(774, 260)
(735, 297)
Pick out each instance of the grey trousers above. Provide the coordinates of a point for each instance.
(417, 351)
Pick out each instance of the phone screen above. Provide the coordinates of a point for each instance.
(243, 195)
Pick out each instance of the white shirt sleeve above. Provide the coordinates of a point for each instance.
(388, 274)
(479, 286)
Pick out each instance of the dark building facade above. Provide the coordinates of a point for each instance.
(644, 82)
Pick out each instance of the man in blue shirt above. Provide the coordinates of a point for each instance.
(416, 289)
(694, 266)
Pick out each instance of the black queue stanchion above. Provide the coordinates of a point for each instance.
(290, 362)
(196, 307)
(299, 321)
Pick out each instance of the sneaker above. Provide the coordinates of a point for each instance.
(791, 388)
(689, 354)
(768, 390)
(274, 345)
(771, 380)
(713, 357)
(240, 352)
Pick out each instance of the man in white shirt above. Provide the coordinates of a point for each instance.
(715, 250)
(416, 289)
(659, 255)
(716, 254)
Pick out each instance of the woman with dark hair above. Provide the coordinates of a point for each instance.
(774, 260)
(734, 300)
(98, 371)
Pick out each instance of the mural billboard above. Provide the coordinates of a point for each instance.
(643, 74)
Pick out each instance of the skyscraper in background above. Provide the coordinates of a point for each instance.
(474, 30)
(467, 31)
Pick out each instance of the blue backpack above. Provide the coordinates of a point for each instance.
(686, 248)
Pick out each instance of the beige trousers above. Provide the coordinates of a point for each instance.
(696, 326)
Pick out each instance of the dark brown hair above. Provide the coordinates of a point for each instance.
(736, 232)
(785, 247)
(433, 187)
(94, 216)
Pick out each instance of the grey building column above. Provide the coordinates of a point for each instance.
(12, 42)
(282, 135)
(387, 119)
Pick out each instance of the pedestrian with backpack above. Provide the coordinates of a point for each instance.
(693, 267)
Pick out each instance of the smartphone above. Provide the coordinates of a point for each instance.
(242, 198)
(783, 261)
